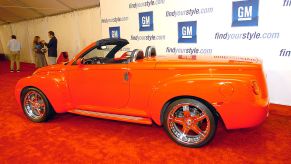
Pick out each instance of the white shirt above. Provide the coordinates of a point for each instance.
(14, 45)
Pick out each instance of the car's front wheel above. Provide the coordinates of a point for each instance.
(189, 122)
(35, 105)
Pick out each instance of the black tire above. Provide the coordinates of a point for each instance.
(47, 112)
(173, 120)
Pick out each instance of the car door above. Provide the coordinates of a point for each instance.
(95, 86)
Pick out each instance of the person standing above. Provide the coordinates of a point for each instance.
(14, 46)
(39, 53)
(52, 46)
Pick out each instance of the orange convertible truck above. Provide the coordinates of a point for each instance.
(187, 96)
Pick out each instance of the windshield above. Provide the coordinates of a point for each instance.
(109, 54)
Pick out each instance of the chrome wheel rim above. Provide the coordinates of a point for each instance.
(34, 105)
(188, 123)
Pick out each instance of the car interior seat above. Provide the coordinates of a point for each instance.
(150, 52)
(136, 55)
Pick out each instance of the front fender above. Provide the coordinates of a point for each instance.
(217, 90)
(53, 85)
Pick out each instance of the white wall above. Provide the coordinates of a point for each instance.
(74, 31)
(1, 49)
(214, 19)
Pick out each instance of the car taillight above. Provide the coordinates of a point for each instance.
(256, 88)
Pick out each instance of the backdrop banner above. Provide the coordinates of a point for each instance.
(209, 27)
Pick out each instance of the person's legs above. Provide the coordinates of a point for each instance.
(17, 59)
(12, 60)
(42, 60)
(37, 61)
(52, 60)
(45, 61)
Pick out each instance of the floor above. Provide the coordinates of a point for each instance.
(77, 139)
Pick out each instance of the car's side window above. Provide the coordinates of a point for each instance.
(96, 56)
(95, 53)
(105, 55)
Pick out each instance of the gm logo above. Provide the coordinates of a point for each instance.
(146, 22)
(187, 32)
(114, 32)
(245, 13)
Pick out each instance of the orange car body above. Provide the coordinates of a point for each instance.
(235, 89)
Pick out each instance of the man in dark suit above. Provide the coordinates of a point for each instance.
(52, 46)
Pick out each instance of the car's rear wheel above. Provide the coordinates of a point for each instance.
(35, 105)
(189, 122)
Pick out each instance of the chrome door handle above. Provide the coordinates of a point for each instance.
(126, 76)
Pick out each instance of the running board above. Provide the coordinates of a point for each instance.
(117, 117)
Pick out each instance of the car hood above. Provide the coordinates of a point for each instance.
(51, 68)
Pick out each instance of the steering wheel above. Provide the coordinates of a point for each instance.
(88, 61)
(98, 60)
(94, 60)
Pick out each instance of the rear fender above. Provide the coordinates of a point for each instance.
(214, 89)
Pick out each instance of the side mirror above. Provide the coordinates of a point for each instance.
(80, 61)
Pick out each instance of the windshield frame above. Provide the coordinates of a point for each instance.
(119, 44)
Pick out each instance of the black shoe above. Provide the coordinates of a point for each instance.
(11, 71)
(18, 71)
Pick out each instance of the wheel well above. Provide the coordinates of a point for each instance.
(23, 89)
(21, 95)
(213, 110)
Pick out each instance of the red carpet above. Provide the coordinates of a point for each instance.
(71, 138)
